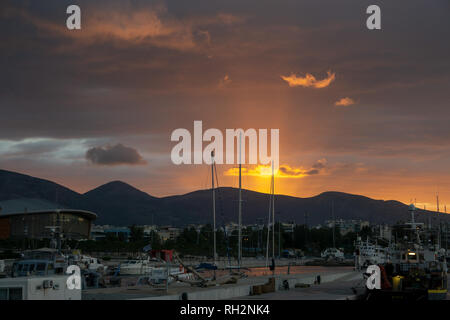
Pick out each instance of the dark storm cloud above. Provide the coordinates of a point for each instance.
(114, 155)
(317, 168)
(53, 79)
(286, 171)
(139, 69)
(154, 66)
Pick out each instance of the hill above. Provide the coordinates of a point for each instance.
(119, 203)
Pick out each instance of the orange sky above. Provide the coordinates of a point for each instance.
(364, 112)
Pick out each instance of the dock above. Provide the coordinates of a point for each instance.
(334, 279)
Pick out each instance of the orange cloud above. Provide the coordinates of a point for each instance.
(285, 171)
(309, 80)
(154, 26)
(345, 102)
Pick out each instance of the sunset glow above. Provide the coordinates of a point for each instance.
(262, 171)
(358, 111)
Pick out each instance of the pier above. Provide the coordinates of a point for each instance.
(302, 282)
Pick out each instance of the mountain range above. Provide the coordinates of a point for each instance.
(119, 203)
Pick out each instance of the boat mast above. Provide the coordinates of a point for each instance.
(334, 223)
(437, 203)
(214, 205)
(240, 204)
(273, 212)
(268, 226)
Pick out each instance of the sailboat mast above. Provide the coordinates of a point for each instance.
(334, 223)
(273, 212)
(214, 205)
(240, 203)
(269, 225)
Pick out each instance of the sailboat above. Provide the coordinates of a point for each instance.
(333, 253)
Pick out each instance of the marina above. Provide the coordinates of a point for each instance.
(411, 265)
(208, 158)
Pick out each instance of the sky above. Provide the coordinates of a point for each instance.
(358, 111)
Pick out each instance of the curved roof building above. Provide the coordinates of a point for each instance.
(39, 219)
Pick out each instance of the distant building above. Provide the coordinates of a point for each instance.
(40, 219)
(197, 227)
(346, 226)
(230, 227)
(148, 229)
(122, 233)
(97, 235)
(255, 227)
(98, 232)
(384, 231)
(288, 227)
(169, 233)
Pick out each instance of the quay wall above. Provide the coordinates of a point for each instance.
(243, 290)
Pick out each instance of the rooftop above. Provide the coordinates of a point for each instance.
(37, 206)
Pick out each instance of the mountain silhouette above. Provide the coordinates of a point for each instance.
(119, 203)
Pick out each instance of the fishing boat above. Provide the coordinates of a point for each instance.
(416, 268)
(367, 253)
(44, 261)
